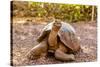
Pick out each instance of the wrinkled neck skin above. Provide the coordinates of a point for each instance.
(54, 31)
(53, 37)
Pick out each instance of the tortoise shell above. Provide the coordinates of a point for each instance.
(66, 34)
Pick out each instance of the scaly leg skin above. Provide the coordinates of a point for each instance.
(61, 54)
(38, 51)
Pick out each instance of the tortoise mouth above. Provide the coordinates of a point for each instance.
(57, 23)
(56, 26)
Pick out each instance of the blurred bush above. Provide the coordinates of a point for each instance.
(66, 12)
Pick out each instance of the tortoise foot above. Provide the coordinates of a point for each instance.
(38, 51)
(63, 56)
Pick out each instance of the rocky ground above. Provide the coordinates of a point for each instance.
(24, 38)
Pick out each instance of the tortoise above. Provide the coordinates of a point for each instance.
(59, 38)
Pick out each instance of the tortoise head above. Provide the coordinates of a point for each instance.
(56, 25)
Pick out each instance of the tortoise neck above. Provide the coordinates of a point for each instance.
(54, 31)
(52, 40)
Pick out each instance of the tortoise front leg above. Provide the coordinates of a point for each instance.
(38, 51)
(60, 53)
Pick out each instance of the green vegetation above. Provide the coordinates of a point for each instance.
(66, 12)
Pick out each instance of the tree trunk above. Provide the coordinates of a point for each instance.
(92, 17)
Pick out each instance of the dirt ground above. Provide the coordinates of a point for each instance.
(24, 38)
